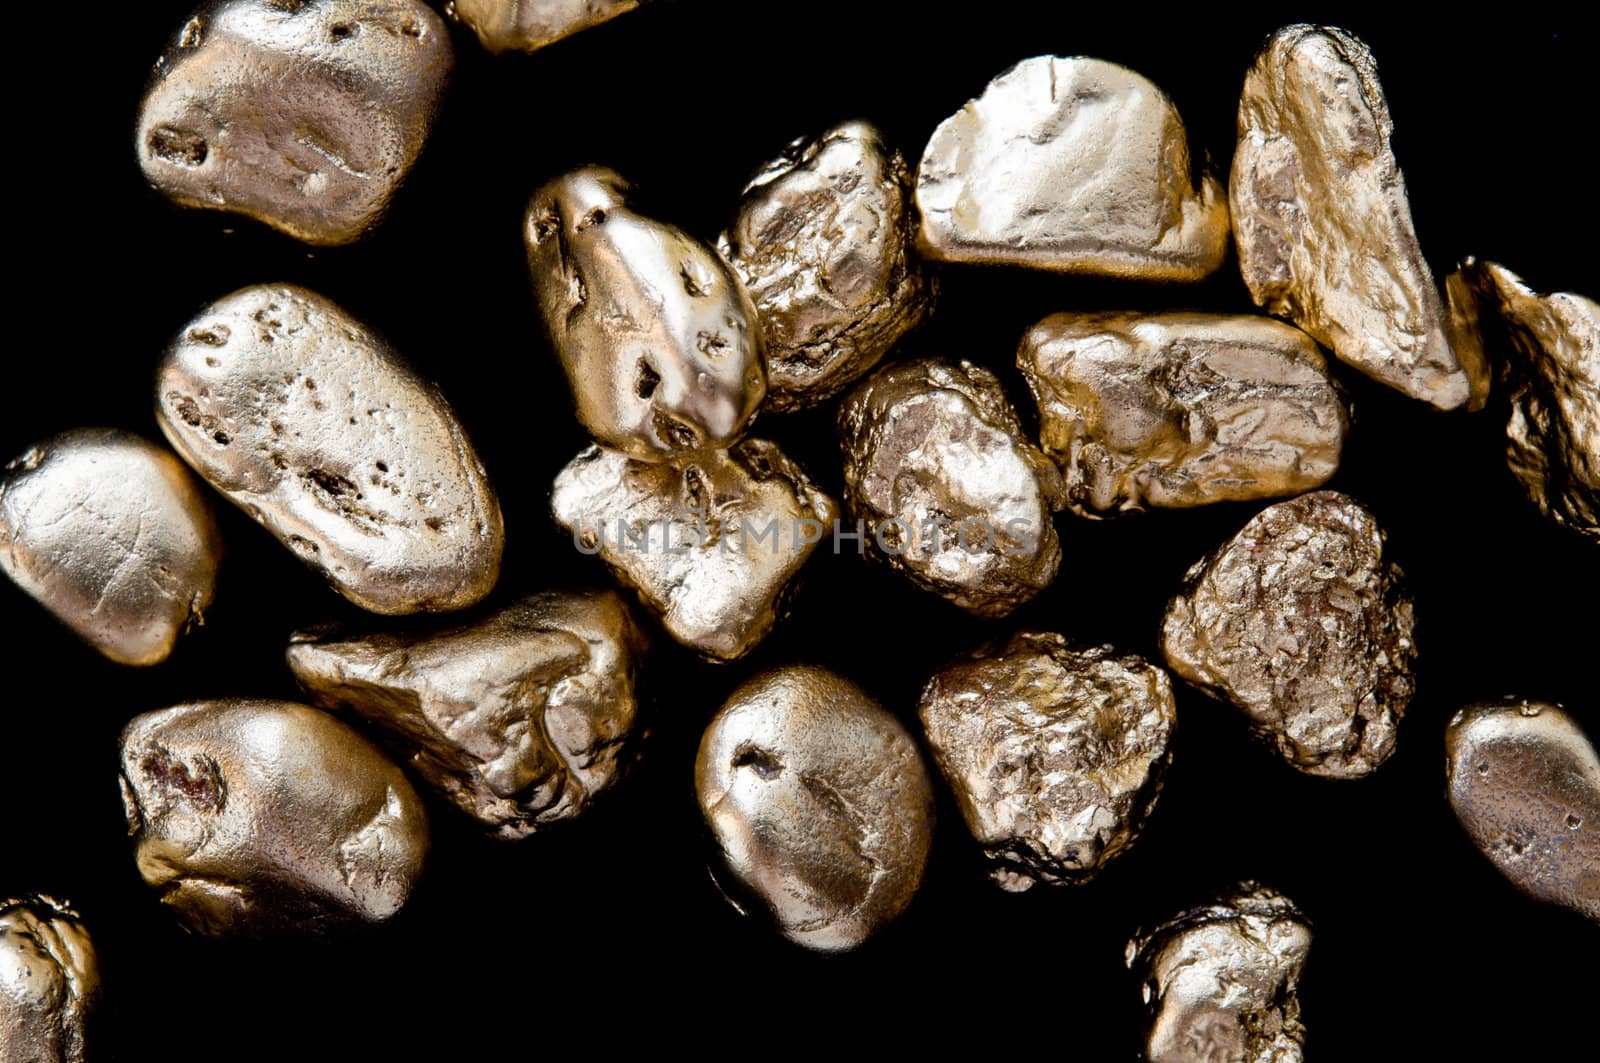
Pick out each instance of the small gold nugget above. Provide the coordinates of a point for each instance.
(947, 488)
(528, 25)
(114, 536)
(820, 804)
(1300, 621)
(1323, 225)
(658, 337)
(49, 981)
(1525, 783)
(318, 429)
(261, 817)
(1175, 409)
(1055, 753)
(1076, 165)
(305, 115)
(824, 243)
(1221, 982)
(518, 718)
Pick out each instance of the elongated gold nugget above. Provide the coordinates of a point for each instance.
(824, 243)
(658, 337)
(949, 491)
(819, 803)
(1221, 981)
(49, 981)
(1303, 623)
(518, 718)
(314, 426)
(1525, 783)
(1076, 165)
(1553, 437)
(1055, 753)
(261, 817)
(114, 536)
(1323, 225)
(1175, 409)
(528, 25)
(305, 115)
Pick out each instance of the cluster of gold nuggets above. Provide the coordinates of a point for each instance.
(253, 817)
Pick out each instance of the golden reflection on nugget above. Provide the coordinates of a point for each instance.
(528, 25)
(49, 981)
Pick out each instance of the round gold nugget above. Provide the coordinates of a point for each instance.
(49, 981)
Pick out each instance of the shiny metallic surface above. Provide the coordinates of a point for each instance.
(114, 536)
(305, 115)
(255, 818)
(1323, 225)
(819, 804)
(950, 492)
(1076, 165)
(1525, 783)
(528, 25)
(1553, 375)
(658, 337)
(824, 242)
(711, 543)
(1054, 752)
(1177, 409)
(318, 429)
(1300, 621)
(519, 718)
(49, 981)
(1221, 981)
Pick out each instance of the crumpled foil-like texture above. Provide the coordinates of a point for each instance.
(528, 25)
(1301, 622)
(1054, 752)
(49, 981)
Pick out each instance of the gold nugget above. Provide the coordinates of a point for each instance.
(49, 981)
(528, 25)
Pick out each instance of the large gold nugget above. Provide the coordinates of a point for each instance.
(1323, 225)
(314, 426)
(1553, 437)
(49, 981)
(819, 803)
(1076, 165)
(656, 333)
(710, 543)
(260, 817)
(1168, 410)
(528, 25)
(949, 491)
(519, 718)
(305, 115)
(1301, 622)
(1055, 753)
(1221, 982)
(114, 536)
(824, 243)
(1525, 784)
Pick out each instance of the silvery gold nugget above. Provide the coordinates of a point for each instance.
(114, 536)
(820, 805)
(519, 718)
(1177, 409)
(710, 543)
(824, 241)
(261, 817)
(1221, 982)
(1318, 202)
(946, 488)
(49, 981)
(1303, 623)
(317, 428)
(528, 25)
(1076, 165)
(659, 339)
(1055, 752)
(1524, 781)
(1553, 437)
(305, 115)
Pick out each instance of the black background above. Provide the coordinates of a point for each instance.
(607, 930)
